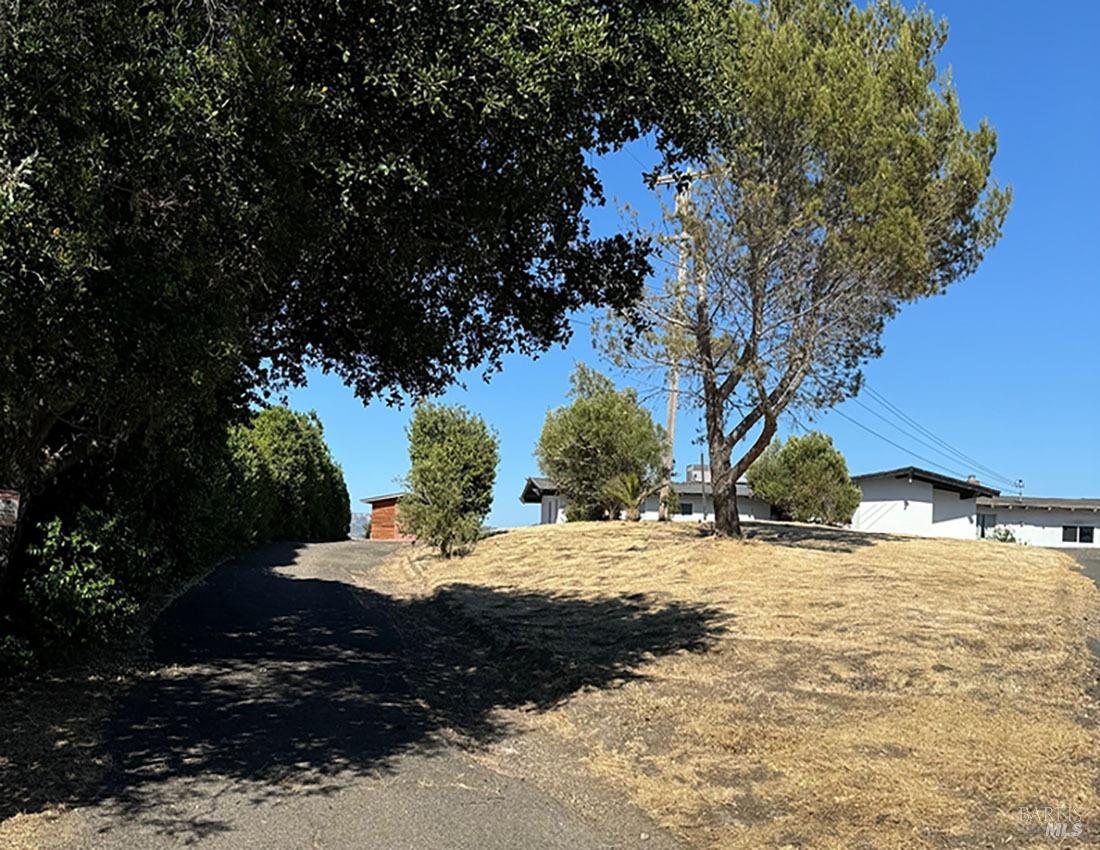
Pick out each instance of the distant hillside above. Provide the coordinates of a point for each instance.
(358, 526)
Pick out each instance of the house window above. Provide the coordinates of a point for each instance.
(986, 522)
(687, 508)
(1077, 533)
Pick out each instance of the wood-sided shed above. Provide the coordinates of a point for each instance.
(385, 517)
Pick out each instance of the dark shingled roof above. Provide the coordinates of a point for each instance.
(1040, 503)
(965, 489)
(536, 488)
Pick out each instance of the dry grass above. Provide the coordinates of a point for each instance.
(51, 751)
(862, 692)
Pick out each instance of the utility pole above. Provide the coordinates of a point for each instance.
(683, 199)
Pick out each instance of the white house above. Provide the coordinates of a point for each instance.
(1042, 522)
(696, 502)
(544, 492)
(915, 501)
(908, 500)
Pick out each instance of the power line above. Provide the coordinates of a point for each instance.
(908, 451)
(914, 437)
(870, 430)
(959, 455)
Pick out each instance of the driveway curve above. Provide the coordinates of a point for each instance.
(284, 710)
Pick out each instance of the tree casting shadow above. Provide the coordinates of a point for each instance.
(806, 536)
(297, 685)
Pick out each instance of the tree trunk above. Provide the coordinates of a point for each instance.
(10, 538)
(723, 481)
(727, 522)
(666, 461)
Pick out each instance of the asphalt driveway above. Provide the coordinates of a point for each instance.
(285, 710)
(1089, 559)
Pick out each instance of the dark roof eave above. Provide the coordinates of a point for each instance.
(535, 488)
(384, 497)
(1037, 503)
(968, 489)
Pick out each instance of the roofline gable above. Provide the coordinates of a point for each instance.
(965, 489)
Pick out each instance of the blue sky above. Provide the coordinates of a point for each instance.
(1005, 367)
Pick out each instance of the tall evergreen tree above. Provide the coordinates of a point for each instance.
(453, 458)
(832, 182)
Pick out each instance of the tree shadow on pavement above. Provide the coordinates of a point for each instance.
(292, 685)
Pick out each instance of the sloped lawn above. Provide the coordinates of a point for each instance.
(851, 691)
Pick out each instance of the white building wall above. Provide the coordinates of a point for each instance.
(747, 509)
(952, 516)
(894, 506)
(753, 508)
(700, 508)
(553, 510)
(1040, 527)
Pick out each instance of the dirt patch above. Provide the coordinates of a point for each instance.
(52, 750)
(852, 691)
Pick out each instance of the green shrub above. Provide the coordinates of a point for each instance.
(806, 479)
(453, 460)
(127, 531)
(299, 491)
(249, 489)
(75, 595)
(16, 653)
(601, 435)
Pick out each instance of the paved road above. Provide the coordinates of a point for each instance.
(1089, 559)
(286, 712)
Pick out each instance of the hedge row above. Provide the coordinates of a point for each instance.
(118, 539)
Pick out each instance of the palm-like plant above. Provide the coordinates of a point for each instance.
(625, 493)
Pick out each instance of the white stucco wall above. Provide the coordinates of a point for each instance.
(894, 506)
(952, 516)
(747, 508)
(698, 505)
(553, 510)
(1040, 527)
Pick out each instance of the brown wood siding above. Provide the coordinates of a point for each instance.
(385, 523)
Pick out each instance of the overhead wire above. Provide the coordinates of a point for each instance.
(947, 449)
(897, 445)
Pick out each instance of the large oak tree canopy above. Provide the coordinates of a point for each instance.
(199, 200)
(452, 143)
(389, 191)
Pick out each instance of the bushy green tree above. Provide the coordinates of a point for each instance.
(601, 436)
(806, 478)
(143, 152)
(120, 536)
(297, 479)
(199, 195)
(453, 459)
